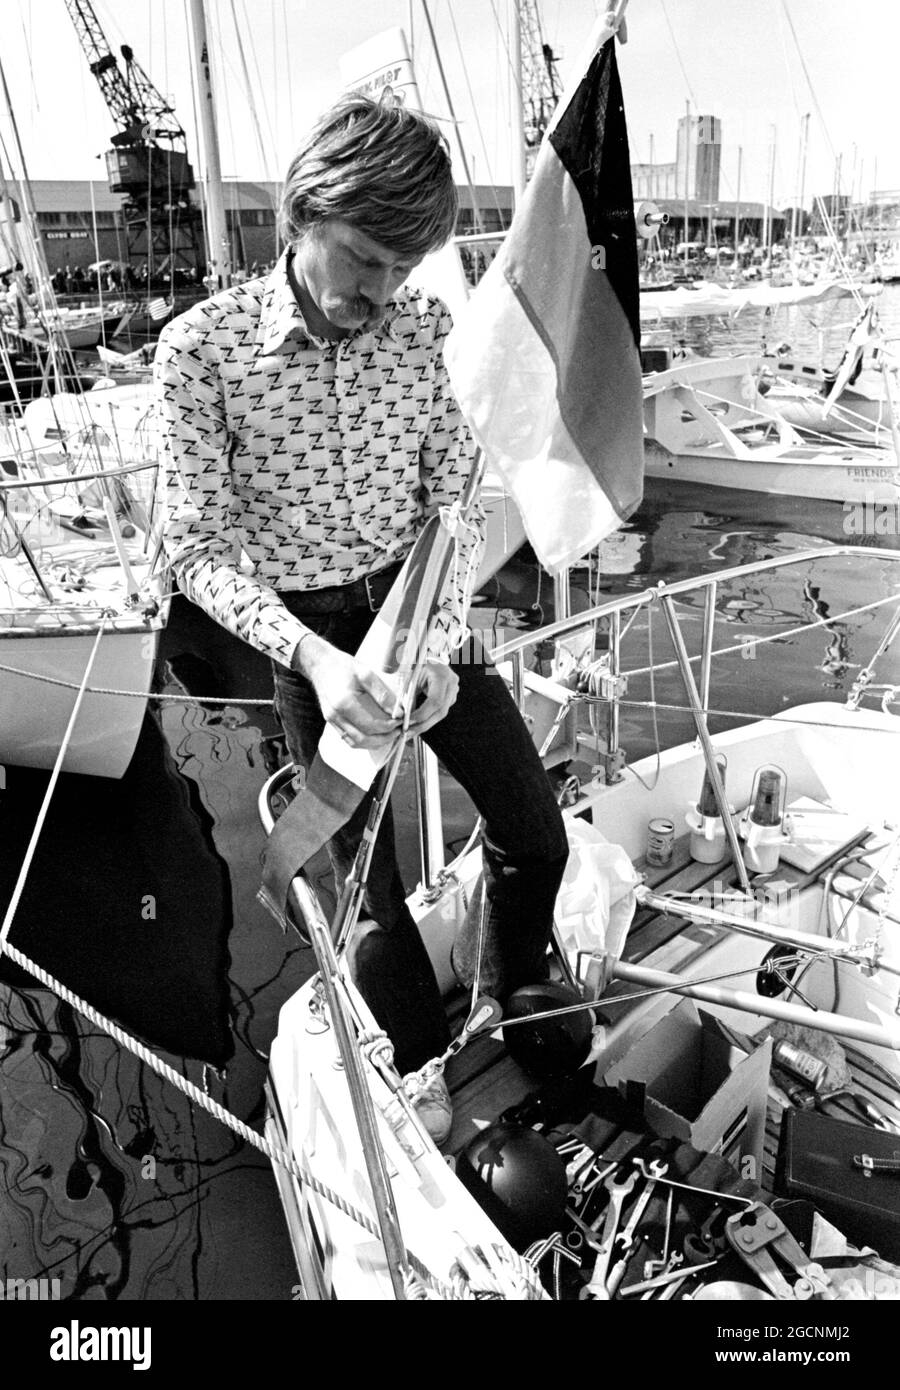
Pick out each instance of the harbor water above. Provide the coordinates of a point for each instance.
(141, 896)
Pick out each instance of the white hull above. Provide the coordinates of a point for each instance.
(822, 478)
(706, 423)
(65, 573)
(34, 714)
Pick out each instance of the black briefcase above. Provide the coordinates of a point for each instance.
(836, 1166)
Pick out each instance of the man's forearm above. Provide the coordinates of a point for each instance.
(241, 604)
(309, 653)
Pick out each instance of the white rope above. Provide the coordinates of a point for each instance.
(194, 1093)
(187, 1088)
(137, 694)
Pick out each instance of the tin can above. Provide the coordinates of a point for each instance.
(660, 841)
(801, 1064)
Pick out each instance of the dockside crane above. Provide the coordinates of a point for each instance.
(541, 86)
(148, 162)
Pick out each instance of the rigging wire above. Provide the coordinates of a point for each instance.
(478, 126)
(687, 80)
(248, 88)
(809, 83)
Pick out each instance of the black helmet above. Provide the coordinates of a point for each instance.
(518, 1178)
(555, 1046)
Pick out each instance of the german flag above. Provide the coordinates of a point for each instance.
(545, 358)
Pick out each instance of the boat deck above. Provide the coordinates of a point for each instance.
(485, 1081)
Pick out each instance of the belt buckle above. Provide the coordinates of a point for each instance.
(370, 597)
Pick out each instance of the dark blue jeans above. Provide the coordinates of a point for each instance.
(484, 744)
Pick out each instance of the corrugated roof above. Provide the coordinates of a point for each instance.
(74, 195)
(71, 195)
(243, 193)
(720, 208)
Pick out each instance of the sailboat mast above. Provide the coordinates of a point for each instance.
(767, 238)
(218, 245)
(737, 210)
(803, 162)
(463, 159)
(517, 101)
(687, 173)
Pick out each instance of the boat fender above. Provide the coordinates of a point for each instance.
(519, 1180)
(554, 1046)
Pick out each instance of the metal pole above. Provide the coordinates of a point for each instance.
(795, 198)
(517, 112)
(612, 708)
(737, 211)
(753, 1003)
(803, 160)
(697, 911)
(709, 754)
(428, 800)
(770, 196)
(687, 168)
(709, 619)
(561, 595)
(218, 249)
(306, 904)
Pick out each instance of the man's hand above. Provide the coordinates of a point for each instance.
(352, 698)
(358, 702)
(439, 685)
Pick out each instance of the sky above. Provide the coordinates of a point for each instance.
(759, 65)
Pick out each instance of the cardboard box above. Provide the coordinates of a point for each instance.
(700, 1088)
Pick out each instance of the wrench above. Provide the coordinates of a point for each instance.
(625, 1237)
(618, 1191)
(674, 1276)
(747, 1202)
(652, 1267)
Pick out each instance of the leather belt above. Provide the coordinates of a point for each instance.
(368, 592)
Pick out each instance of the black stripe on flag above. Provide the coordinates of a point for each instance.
(591, 141)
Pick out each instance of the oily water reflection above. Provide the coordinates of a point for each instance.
(141, 896)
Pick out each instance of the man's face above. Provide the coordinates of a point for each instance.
(349, 277)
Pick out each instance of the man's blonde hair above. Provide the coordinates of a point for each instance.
(382, 168)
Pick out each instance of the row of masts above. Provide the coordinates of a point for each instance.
(218, 242)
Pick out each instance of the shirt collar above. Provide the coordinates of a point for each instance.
(282, 318)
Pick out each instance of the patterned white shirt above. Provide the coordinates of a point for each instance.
(296, 463)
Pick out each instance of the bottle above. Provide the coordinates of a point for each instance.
(803, 1065)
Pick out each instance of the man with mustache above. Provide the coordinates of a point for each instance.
(310, 431)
